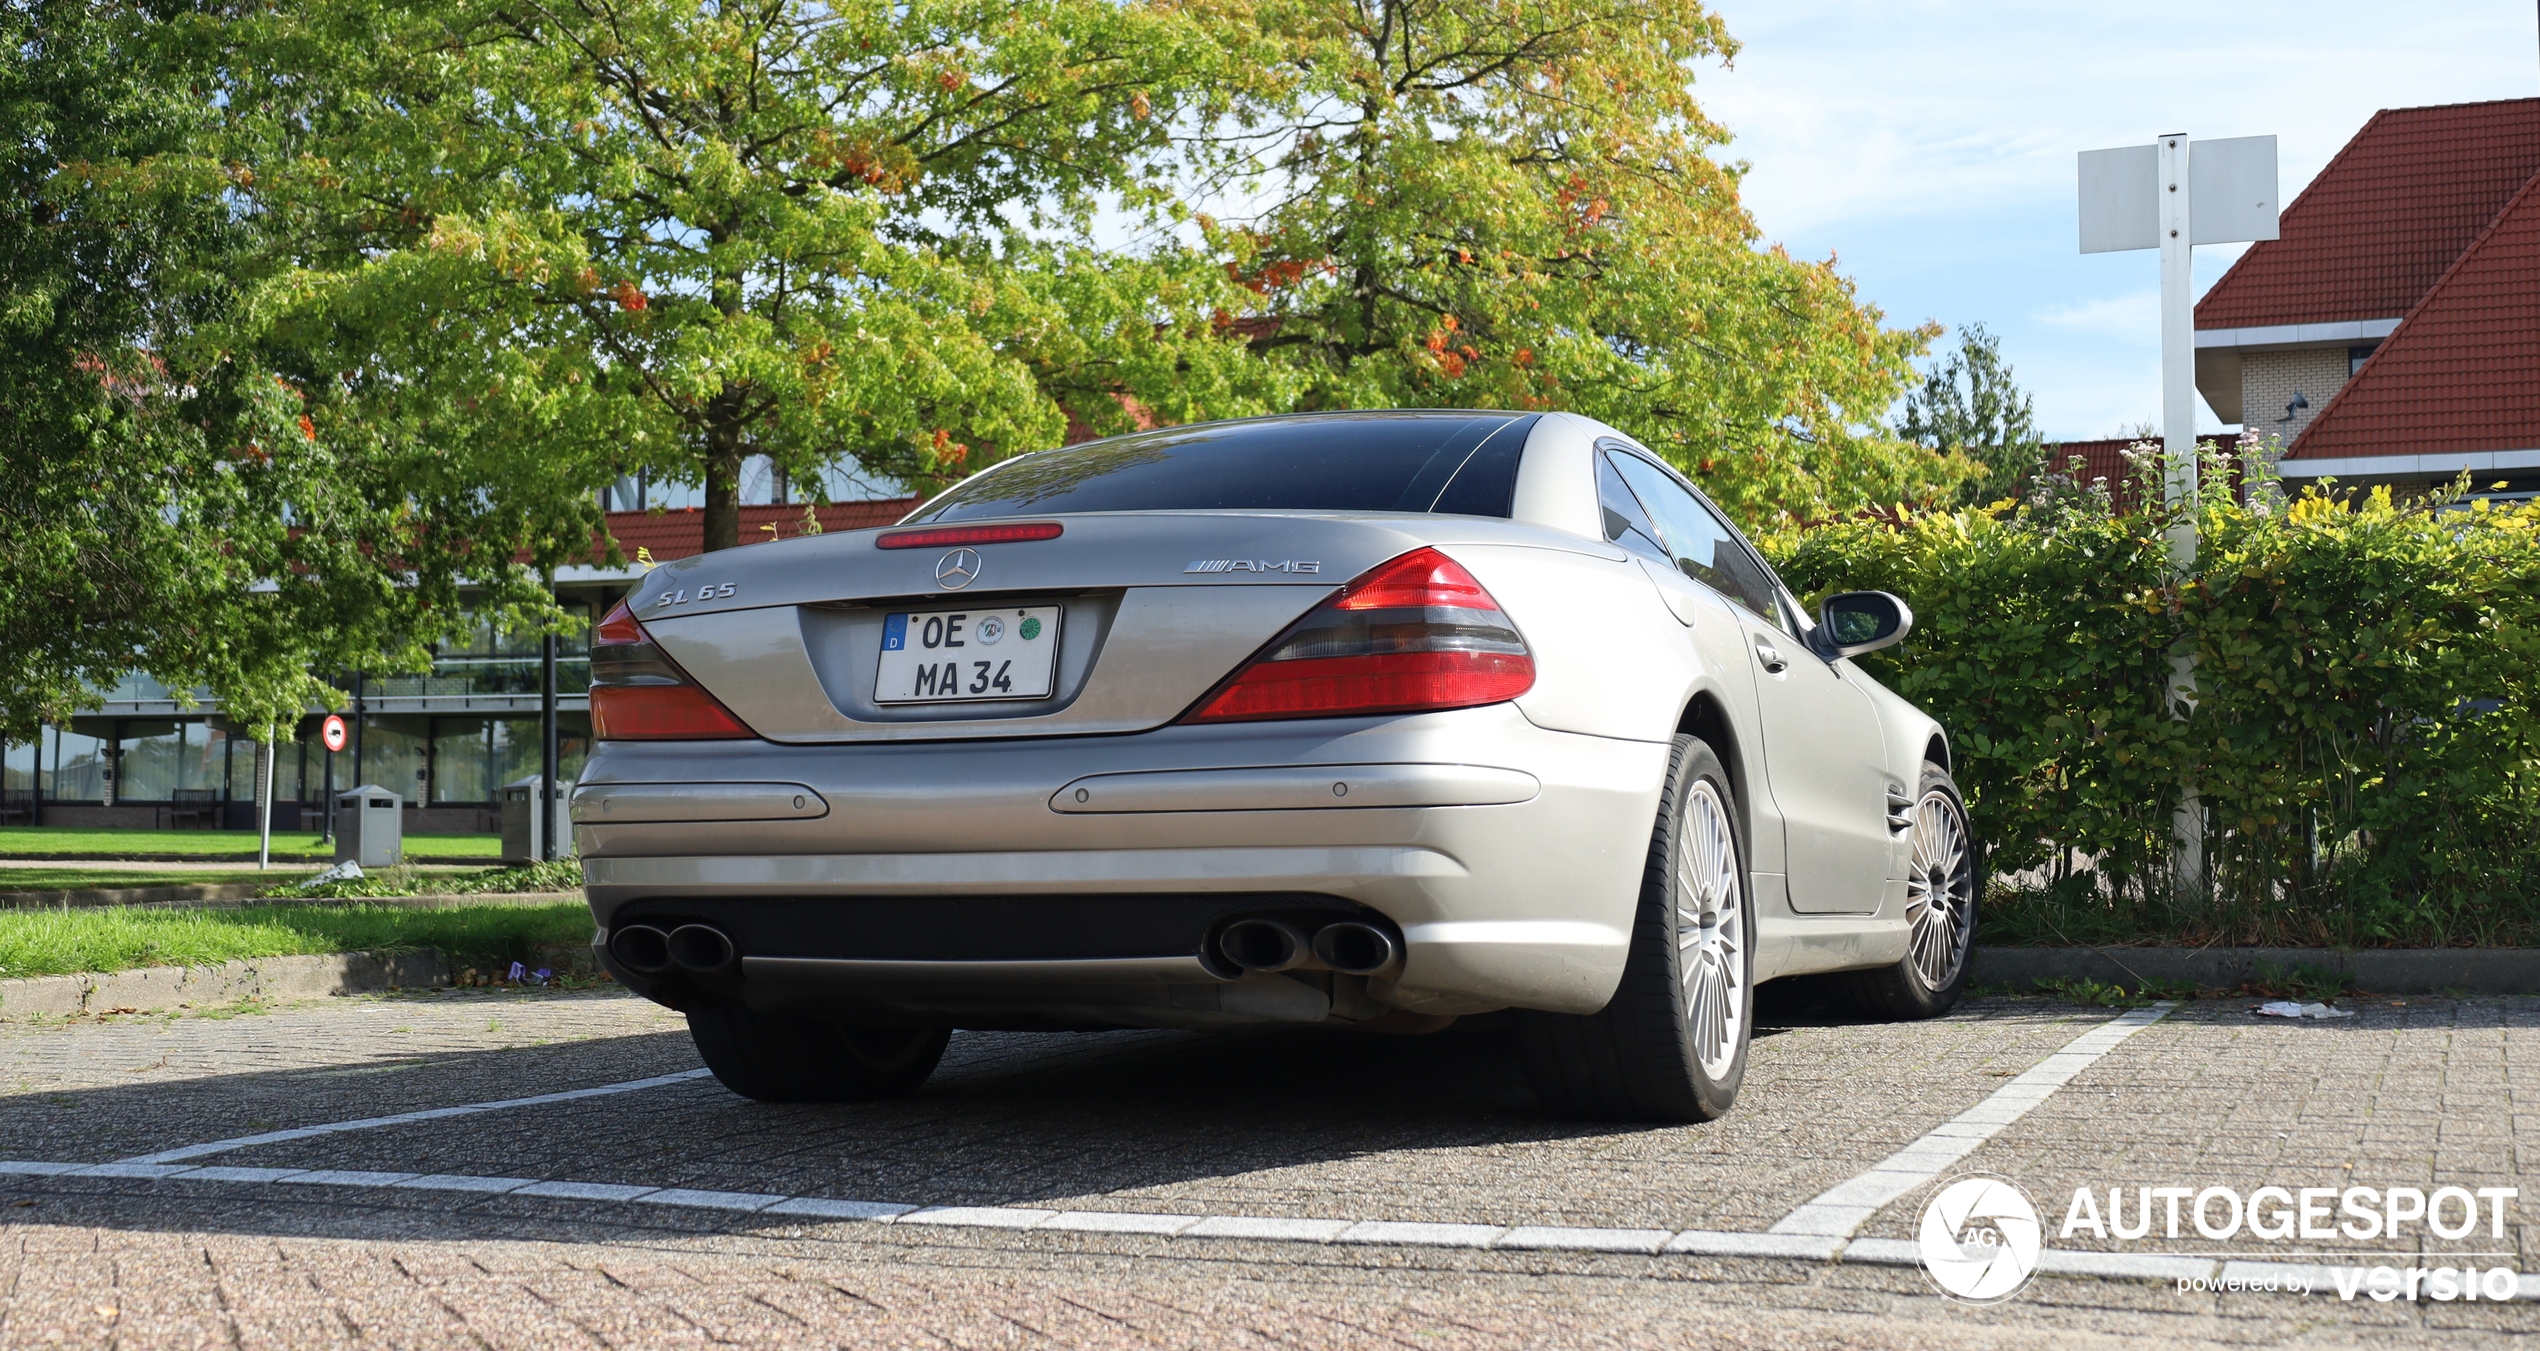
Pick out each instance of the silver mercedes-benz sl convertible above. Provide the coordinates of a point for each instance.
(1350, 719)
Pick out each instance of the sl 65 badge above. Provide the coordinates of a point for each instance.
(723, 592)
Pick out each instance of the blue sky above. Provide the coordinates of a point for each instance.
(1929, 145)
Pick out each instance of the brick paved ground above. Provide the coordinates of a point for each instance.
(1433, 1128)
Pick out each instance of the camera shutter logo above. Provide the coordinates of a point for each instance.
(1980, 1238)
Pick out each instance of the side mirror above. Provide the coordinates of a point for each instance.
(1861, 621)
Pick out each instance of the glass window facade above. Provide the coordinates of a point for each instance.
(464, 752)
(391, 756)
(160, 757)
(460, 760)
(489, 661)
(76, 766)
(18, 765)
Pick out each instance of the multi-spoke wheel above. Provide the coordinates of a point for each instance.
(1943, 880)
(1671, 1046)
(1711, 930)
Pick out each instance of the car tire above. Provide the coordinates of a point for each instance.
(797, 1058)
(1944, 884)
(1671, 1045)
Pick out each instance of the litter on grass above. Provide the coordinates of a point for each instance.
(346, 871)
(2286, 1008)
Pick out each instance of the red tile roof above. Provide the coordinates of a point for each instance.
(677, 534)
(2099, 460)
(2395, 207)
(2463, 370)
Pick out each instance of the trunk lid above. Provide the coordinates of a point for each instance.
(1150, 611)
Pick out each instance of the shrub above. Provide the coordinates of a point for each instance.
(2360, 735)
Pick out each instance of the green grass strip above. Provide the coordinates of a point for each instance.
(60, 942)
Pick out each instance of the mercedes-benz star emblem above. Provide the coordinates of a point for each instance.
(957, 569)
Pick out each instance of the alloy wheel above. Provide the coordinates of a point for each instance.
(1940, 890)
(1711, 931)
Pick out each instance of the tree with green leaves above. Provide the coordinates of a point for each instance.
(1970, 405)
(1463, 202)
(667, 236)
(167, 500)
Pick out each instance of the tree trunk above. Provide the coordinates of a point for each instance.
(723, 489)
(724, 420)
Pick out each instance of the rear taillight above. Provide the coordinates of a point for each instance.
(1415, 634)
(639, 694)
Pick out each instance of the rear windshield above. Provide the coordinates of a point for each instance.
(1462, 464)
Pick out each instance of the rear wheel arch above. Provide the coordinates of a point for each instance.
(1706, 720)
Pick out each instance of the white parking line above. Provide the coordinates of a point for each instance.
(1842, 1209)
(2162, 1268)
(405, 1118)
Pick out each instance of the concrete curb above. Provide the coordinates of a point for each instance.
(186, 893)
(2477, 971)
(157, 989)
(243, 894)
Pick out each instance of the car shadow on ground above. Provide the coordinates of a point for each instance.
(1160, 1120)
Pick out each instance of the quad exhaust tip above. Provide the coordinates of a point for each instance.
(641, 948)
(700, 947)
(1349, 947)
(647, 950)
(1356, 949)
(1265, 944)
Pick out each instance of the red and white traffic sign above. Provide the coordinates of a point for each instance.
(331, 732)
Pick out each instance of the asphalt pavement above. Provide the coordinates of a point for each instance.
(1169, 1189)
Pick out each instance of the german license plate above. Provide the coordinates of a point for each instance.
(965, 656)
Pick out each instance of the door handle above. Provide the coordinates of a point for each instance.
(1772, 658)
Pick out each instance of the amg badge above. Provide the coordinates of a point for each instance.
(1254, 565)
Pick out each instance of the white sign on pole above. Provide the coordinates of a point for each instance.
(2233, 184)
(2232, 181)
(2120, 199)
(2139, 197)
(2172, 195)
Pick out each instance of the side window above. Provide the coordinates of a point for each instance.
(1625, 522)
(1700, 543)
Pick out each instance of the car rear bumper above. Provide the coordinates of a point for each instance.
(1506, 858)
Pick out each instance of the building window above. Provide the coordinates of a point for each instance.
(392, 758)
(472, 758)
(160, 757)
(77, 768)
(2357, 356)
(19, 764)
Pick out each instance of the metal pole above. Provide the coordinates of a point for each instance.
(2178, 453)
(544, 798)
(361, 719)
(264, 803)
(2178, 345)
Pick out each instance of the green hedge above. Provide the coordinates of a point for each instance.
(2361, 736)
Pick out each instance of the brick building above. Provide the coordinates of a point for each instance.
(2392, 333)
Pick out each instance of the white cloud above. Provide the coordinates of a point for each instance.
(2134, 318)
(1930, 144)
